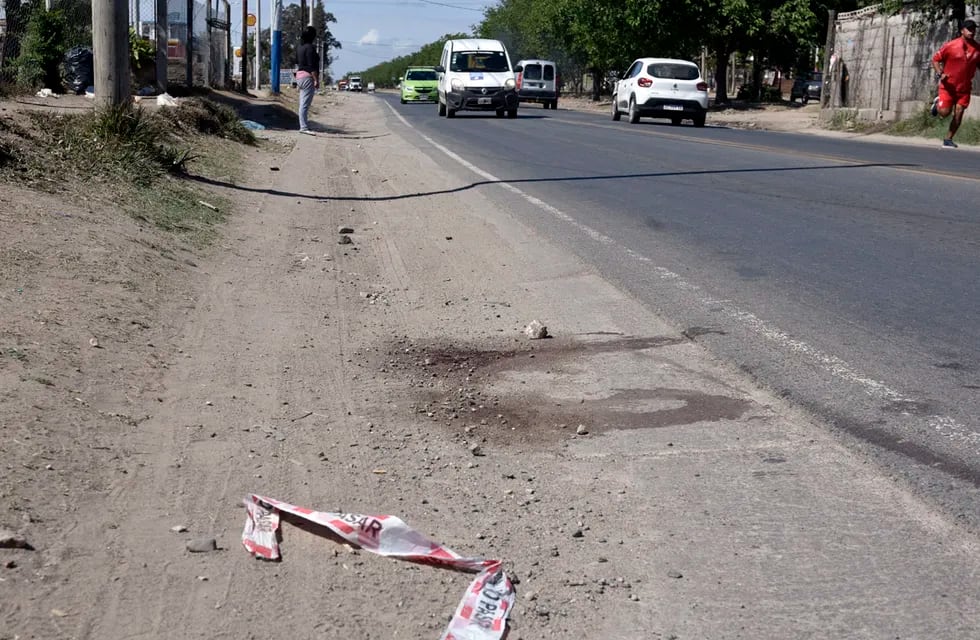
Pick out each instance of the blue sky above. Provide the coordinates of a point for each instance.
(373, 31)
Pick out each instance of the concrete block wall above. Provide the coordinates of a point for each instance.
(880, 64)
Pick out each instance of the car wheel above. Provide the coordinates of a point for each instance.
(634, 112)
(675, 121)
(699, 120)
(442, 108)
(615, 110)
(512, 113)
(403, 100)
(805, 99)
(500, 113)
(554, 105)
(450, 113)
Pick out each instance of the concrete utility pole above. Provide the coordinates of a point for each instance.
(162, 30)
(110, 45)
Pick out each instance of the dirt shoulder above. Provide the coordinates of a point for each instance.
(390, 375)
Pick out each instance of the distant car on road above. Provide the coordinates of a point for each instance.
(538, 82)
(807, 88)
(662, 88)
(354, 83)
(370, 87)
(419, 84)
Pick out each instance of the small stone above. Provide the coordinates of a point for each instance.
(202, 545)
(10, 564)
(344, 229)
(601, 559)
(675, 574)
(345, 239)
(476, 450)
(179, 528)
(535, 330)
(634, 597)
(582, 430)
(10, 540)
(93, 341)
(578, 533)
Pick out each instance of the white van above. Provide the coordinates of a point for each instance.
(476, 75)
(538, 82)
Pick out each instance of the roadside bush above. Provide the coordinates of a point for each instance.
(120, 142)
(42, 50)
(207, 116)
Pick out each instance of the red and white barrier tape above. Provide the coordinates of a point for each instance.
(481, 615)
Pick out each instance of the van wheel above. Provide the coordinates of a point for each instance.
(512, 113)
(634, 112)
(500, 113)
(699, 120)
(554, 105)
(615, 110)
(450, 113)
(442, 109)
(805, 99)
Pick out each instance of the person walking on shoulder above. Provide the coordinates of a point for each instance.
(307, 77)
(955, 64)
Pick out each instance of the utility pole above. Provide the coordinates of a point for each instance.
(110, 44)
(190, 44)
(162, 30)
(244, 84)
(275, 54)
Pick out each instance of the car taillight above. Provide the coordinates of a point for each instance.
(645, 82)
(702, 86)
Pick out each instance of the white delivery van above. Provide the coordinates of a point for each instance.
(538, 82)
(476, 75)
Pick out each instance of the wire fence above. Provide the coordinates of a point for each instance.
(197, 38)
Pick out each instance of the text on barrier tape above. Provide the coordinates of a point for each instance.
(482, 613)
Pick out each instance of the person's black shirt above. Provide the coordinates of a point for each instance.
(306, 59)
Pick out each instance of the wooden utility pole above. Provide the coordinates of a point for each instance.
(190, 44)
(110, 48)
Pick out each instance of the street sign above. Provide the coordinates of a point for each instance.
(251, 20)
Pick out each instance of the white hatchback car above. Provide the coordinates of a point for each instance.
(662, 88)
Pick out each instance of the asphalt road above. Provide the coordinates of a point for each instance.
(841, 274)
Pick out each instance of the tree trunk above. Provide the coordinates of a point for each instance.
(721, 75)
(11, 40)
(596, 84)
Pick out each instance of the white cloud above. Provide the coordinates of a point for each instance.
(371, 37)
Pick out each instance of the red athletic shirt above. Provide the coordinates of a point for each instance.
(960, 58)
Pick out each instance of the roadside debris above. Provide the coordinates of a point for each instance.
(481, 614)
(207, 205)
(345, 229)
(345, 240)
(253, 125)
(166, 100)
(536, 331)
(582, 430)
(202, 545)
(47, 93)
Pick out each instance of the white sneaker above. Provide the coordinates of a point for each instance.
(307, 132)
(934, 109)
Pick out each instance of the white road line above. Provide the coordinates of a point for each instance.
(944, 425)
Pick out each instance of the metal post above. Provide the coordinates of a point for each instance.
(190, 44)
(110, 44)
(161, 39)
(258, 44)
(244, 83)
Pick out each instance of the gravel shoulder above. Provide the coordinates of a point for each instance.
(634, 486)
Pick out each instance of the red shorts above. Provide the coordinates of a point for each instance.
(948, 97)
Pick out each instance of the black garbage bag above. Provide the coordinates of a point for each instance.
(79, 69)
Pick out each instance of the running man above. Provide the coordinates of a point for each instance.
(955, 64)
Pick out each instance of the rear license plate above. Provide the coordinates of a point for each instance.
(483, 100)
(673, 107)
